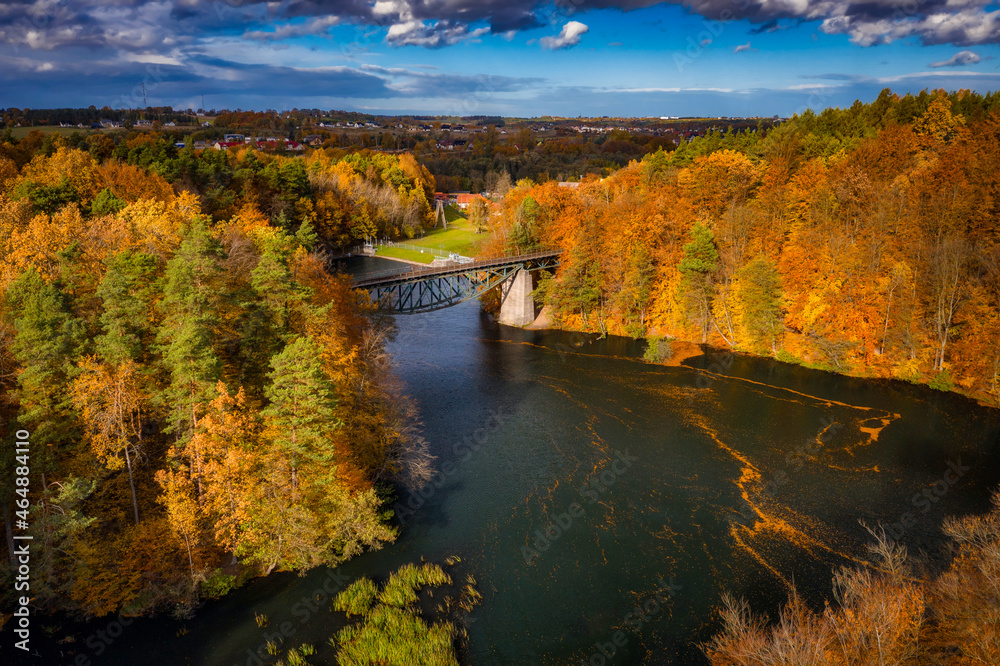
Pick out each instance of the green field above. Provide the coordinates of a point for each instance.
(451, 214)
(409, 255)
(459, 237)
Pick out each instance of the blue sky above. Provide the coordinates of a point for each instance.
(512, 58)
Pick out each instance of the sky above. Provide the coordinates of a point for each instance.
(626, 58)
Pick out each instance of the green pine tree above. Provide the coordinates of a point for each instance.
(126, 294)
(187, 335)
(759, 299)
(300, 416)
(701, 259)
(272, 280)
(306, 235)
(48, 342)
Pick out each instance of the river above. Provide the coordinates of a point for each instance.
(670, 486)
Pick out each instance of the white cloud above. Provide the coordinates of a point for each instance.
(960, 58)
(569, 36)
(318, 25)
(442, 33)
(742, 47)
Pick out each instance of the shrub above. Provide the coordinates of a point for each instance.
(218, 584)
(785, 357)
(658, 350)
(942, 382)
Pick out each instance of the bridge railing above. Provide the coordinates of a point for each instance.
(454, 256)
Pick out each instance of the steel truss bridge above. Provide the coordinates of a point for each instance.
(429, 289)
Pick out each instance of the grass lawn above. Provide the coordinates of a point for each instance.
(459, 237)
(410, 255)
(451, 214)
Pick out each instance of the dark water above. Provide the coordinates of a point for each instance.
(743, 476)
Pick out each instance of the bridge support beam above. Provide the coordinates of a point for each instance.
(517, 307)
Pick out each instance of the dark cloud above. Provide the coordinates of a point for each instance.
(137, 26)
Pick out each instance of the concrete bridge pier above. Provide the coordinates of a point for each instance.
(517, 307)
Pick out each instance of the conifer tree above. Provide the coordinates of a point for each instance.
(273, 281)
(48, 340)
(701, 258)
(758, 295)
(126, 294)
(300, 418)
(187, 335)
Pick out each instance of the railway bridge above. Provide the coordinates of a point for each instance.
(429, 289)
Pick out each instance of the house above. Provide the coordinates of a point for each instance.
(108, 124)
(313, 140)
(233, 138)
(568, 184)
(170, 124)
(226, 145)
(206, 124)
(463, 199)
(272, 144)
(143, 123)
(200, 145)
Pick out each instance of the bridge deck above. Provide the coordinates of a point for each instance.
(456, 269)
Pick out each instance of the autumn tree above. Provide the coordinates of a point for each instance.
(112, 404)
(182, 512)
(229, 446)
(479, 214)
(947, 270)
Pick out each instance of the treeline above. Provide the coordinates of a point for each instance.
(345, 196)
(522, 155)
(863, 241)
(886, 613)
(204, 401)
(13, 116)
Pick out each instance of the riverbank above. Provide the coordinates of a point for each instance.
(683, 350)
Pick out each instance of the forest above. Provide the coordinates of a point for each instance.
(210, 403)
(205, 401)
(862, 241)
